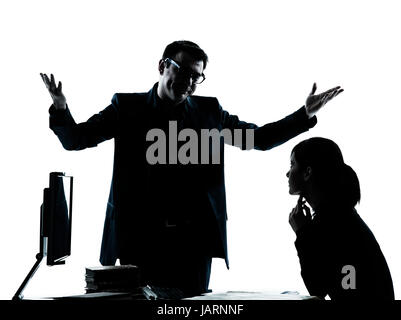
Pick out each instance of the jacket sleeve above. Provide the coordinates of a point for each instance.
(314, 261)
(272, 134)
(98, 128)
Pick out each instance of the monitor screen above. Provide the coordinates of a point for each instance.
(57, 218)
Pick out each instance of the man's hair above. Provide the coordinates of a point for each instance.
(187, 46)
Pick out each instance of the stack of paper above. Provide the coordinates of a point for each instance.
(124, 278)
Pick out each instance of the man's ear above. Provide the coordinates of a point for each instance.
(161, 66)
(307, 173)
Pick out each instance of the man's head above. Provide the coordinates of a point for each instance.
(181, 69)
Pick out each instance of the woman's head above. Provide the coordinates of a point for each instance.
(317, 164)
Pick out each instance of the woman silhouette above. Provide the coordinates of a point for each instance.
(338, 253)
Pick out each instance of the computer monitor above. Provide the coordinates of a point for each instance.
(57, 218)
(55, 225)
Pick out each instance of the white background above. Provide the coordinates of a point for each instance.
(264, 58)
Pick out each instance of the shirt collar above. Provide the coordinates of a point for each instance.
(159, 103)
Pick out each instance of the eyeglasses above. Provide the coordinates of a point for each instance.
(196, 77)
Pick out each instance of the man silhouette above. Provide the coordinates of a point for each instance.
(169, 219)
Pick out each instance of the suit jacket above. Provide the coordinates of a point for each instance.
(338, 237)
(128, 119)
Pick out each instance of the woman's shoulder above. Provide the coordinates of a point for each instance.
(344, 223)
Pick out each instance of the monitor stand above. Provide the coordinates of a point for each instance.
(39, 257)
(18, 295)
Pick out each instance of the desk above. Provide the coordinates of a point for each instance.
(249, 295)
(224, 295)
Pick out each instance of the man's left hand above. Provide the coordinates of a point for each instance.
(315, 102)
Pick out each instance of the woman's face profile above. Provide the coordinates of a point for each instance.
(295, 177)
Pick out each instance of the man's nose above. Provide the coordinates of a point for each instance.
(287, 174)
(188, 80)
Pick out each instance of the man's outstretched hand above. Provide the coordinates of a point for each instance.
(57, 95)
(315, 102)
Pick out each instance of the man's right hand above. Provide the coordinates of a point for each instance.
(57, 95)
